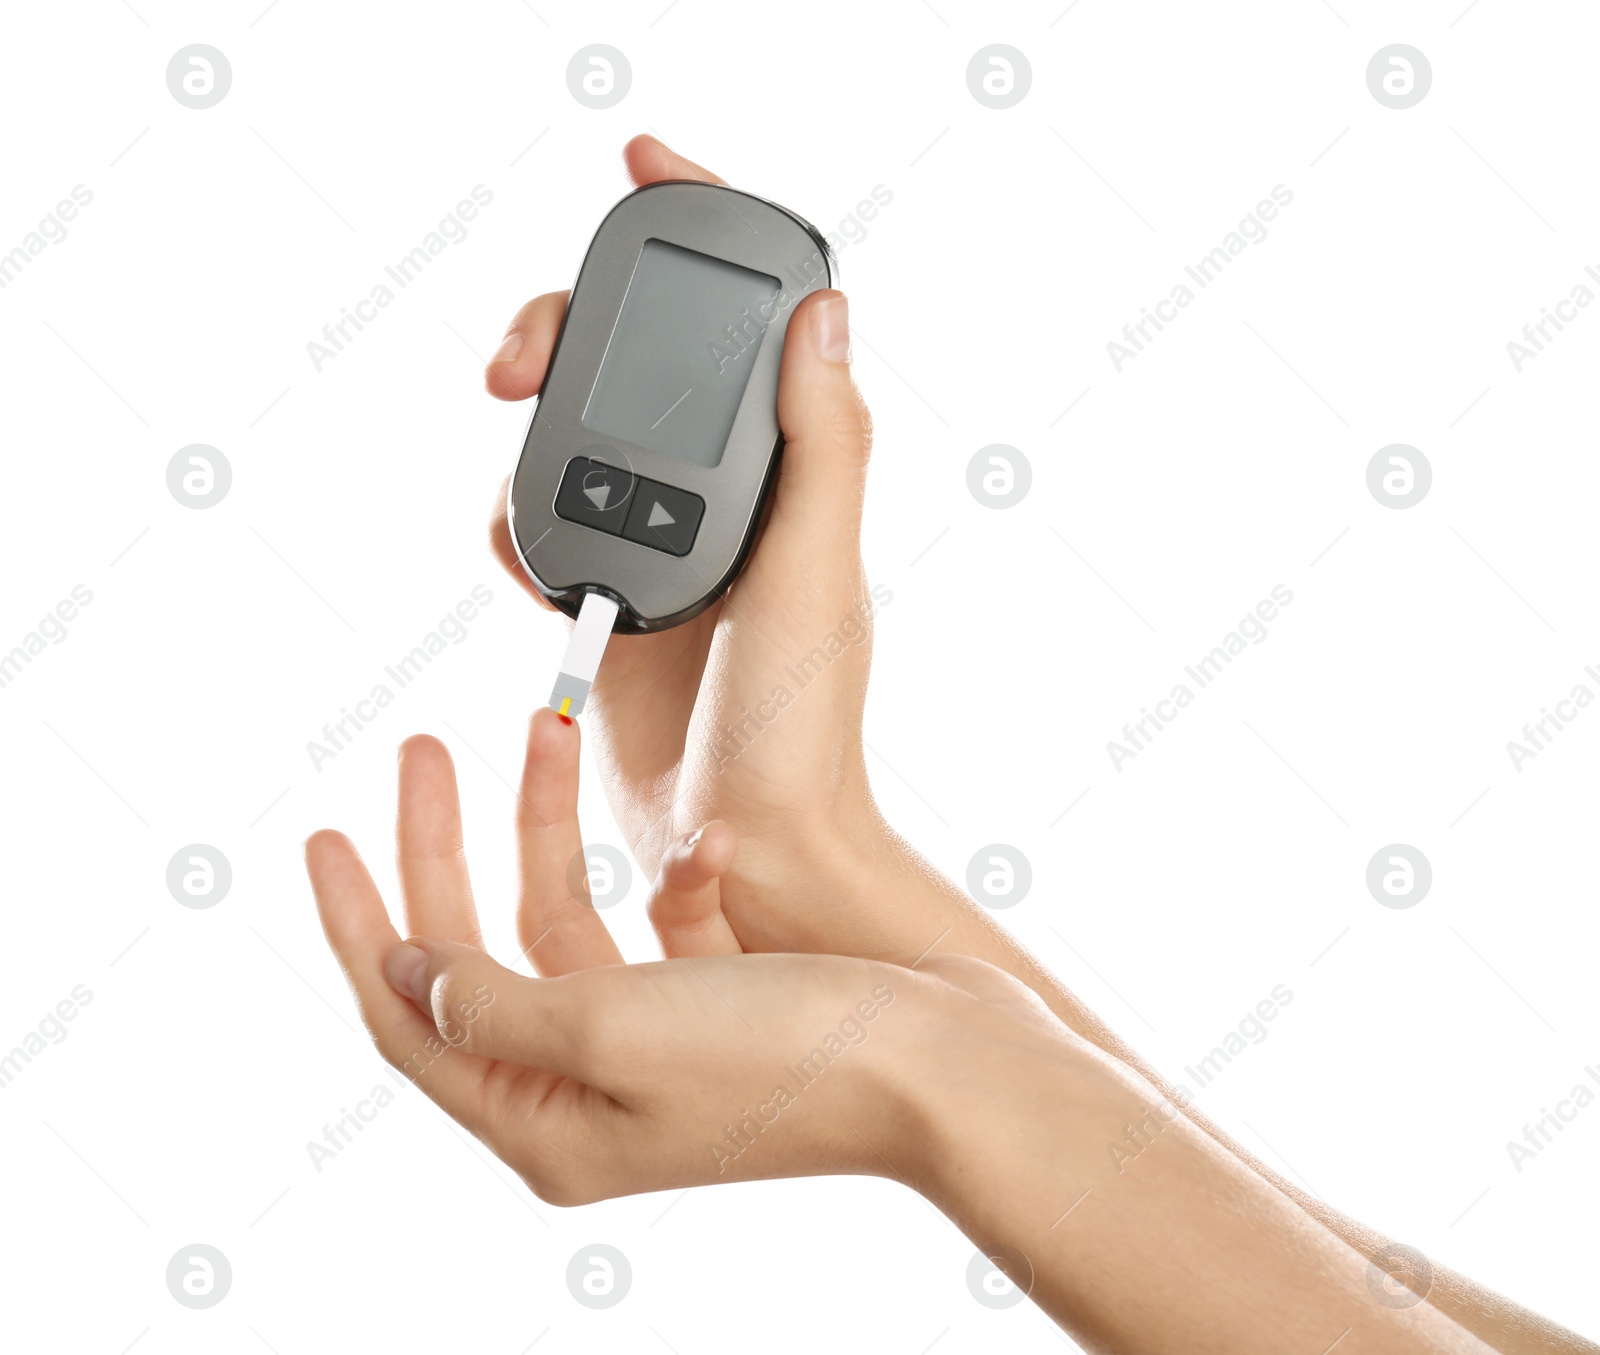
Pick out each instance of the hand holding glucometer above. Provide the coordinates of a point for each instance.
(654, 439)
(751, 710)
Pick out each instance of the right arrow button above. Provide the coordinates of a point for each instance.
(664, 517)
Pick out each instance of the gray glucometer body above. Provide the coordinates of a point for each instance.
(654, 441)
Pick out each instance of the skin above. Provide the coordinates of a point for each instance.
(600, 1079)
(817, 869)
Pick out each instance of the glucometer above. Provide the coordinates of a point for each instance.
(654, 441)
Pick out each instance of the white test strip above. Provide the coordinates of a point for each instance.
(585, 649)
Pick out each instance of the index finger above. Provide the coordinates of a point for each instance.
(557, 923)
(517, 369)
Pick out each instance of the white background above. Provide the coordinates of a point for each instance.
(1174, 495)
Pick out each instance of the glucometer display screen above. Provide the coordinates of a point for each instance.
(681, 353)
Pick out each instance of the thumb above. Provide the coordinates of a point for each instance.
(685, 904)
(480, 1007)
(827, 433)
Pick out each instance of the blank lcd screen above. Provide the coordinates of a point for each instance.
(681, 354)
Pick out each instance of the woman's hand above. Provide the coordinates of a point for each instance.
(632, 1078)
(752, 712)
(604, 1079)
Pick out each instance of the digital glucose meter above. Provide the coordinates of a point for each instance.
(654, 440)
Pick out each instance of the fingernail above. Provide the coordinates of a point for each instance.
(831, 326)
(693, 840)
(510, 346)
(406, 968)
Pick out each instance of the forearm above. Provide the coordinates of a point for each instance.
(1130, 1226)
(899, 872)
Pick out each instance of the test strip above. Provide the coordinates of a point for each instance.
(585, 649)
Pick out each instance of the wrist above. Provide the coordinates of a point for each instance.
(939, 1067)
(993, 1071)
(868, 871)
